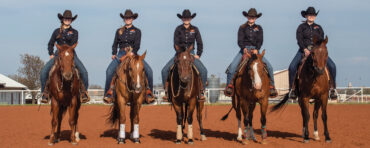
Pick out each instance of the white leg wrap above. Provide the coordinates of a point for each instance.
(122, 133)
(136, 131)
(190, 131)
(179, 132)
(240, 132)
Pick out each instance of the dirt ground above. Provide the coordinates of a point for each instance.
(24, 126)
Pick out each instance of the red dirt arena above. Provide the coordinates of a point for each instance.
(25, 126)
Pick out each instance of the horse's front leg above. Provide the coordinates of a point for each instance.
(179, 117)
(192, 104)
(304, 104)
(54, 120)
(73, 119)
(252, 106)
(324, 116)
(315, 116)
(236, 106)
(200, 106)
(264, 106)
(135, 109)
(245, 109)
(121, 102)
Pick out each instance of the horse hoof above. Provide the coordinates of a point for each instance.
(74, 143)
(254, 139)
(264, 141)
(190, 141)
(50, 144)
(203, 137)
(136, 140)
(245, 142)
(239, 139)
(328, 141)
(316, 138)
(178, 142)
(306, 141)
(121, 140)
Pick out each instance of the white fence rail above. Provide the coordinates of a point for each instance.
(213, 95)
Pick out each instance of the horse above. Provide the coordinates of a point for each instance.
(64, 89)
(130, 88)
(312, 83)
(252, 86)
(183, 90)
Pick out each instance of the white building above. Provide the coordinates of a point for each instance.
(10, 91)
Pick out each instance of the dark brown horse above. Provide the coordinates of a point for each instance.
(183, 90)
(313, 83)
(252, 86)
(130, 88)
(64, 89)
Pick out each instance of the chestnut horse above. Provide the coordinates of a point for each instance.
(252, 86)
(183, 90)
(130, 88)
(313, 83)
(64, 89)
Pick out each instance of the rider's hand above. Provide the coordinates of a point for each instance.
(196, 56)
(51, 56)
(254, 51)
(113, 57)
(306, 52)
(131, 53)
(245, 50)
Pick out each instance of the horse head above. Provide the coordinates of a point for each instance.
(184, 62)
(319, 55)
(255, 69)
(66, 60)
(136, 72)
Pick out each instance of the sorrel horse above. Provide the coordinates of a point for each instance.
(313, 83)
(130, 88)
(183, 90)
(64, 89)
(251, 86)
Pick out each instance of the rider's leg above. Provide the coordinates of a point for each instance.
(270, 70)
(231, 72)
(43, 78)
(84, 76)
(149, 75)
(203, 74)
(333, 73)
(110, 72)
(165, 73)
(293, 67)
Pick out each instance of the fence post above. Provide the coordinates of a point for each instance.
(362, 95)
(22, 97)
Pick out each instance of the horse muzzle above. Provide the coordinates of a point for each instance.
(137, 88)
(68, 76)
(257, 86)
(185, 79)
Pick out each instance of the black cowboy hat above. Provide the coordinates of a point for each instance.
(186, 14)
(66, 15)
(309, 11)
(129, 14)
(252, 12)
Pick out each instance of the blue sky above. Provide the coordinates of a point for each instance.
(26, 27)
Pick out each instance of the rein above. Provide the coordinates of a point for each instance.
(180, 87)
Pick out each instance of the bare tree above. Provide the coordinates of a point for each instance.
(29, 73)
(95, 86)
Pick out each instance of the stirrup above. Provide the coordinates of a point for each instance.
(229, 90)
(150, 98)
(45, 98)
(84, 97)
(292, 94)
(273, 92)
(108, 98)
(333, 94)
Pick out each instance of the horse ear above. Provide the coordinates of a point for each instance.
(190, 48)
(74, 45)
(177, 48)
(142, 57)
(326, 40)
(248, 55)
(58, 46)
(263, 52)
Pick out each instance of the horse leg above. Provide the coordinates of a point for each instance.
(179, 118)
(315, 116)
(304, 104)
(136, 109)
(54, 120)
(72, 119)
(200, 106)
(60, 117)
(252, 105)
(238, 117)
(191, 105)
(325, 117)
(121, 102)
(264, 106)
(244, 106)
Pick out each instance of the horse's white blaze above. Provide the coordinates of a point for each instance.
(121, 133)
(136, 131)
(257, 78)
(184, 57)
(138, 77)
(67, 54)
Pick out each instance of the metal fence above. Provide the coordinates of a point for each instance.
(213, 95)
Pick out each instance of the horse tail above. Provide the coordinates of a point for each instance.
(227, 114)
(114, 115)
(281, 104)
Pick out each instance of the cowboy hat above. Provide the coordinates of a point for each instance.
(66, 15)
(309, 11)
(129, 14)
(252, 12)
(186, 14)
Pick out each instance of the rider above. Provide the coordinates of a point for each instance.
(305, 34)
(185, 36)
(127, 38)
(64, 35)
(250, 38)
